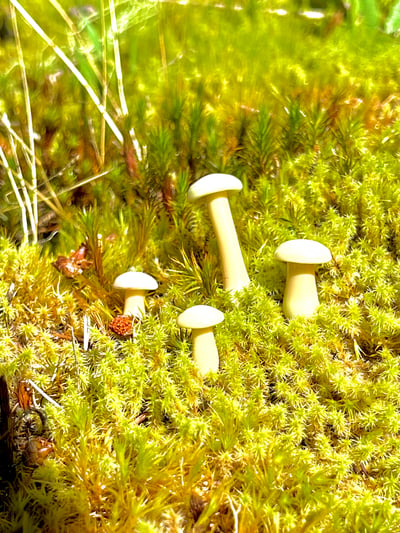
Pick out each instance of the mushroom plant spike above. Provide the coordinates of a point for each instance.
(214, 188)
(201, 319)
(301, 256)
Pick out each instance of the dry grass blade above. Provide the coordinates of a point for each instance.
(26, 150)
(32, 205)
(117, 59)
(18, 196)
(78, 75)
(118, 72)
(27, 200)
(75, 32)
(105, 85)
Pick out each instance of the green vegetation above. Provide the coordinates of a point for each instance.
(300, 429)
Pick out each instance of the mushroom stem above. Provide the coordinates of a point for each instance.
(134, 302)
(205, 352)
(301, 296)
(235, 275)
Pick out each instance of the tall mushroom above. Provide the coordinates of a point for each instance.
(135, 285)
(301, 256)
(214, 188)
(201, 319)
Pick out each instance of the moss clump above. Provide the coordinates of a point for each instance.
(299, 429)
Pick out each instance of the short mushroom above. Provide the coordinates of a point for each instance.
(214, 188)
(201, 319)
(301, 256)
(135, 285)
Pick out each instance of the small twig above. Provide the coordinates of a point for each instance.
(93, 141)
(235, 513)
(86, 332)
(73, 340)
(11, 292)
(41, 391)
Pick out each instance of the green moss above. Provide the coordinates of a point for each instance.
(298, 431)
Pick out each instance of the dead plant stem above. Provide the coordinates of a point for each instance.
(69, 64)
(17, 195)
(31, 204)
(117, 59)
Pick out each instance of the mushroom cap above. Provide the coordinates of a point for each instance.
(304, 251)
(213, 183)
(135, 280)
(199, 317)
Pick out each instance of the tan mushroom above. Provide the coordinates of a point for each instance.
(301, 256)
(214, 189)
(135, 285)
(201, 319)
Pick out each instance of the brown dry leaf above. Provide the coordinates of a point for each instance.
(75, 264)
(24, 395)
(198, 503)
(36, 451)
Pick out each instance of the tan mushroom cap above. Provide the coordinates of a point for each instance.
(304, 251)
(135, 280)
(200, 317)
(213, 183)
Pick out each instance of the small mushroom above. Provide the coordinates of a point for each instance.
(214, 188)
(301, 256)
(201, 319)
(135, 285)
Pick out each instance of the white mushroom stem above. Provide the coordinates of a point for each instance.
(134, 302)
(235, 275)
(205, 352)
(301, 296)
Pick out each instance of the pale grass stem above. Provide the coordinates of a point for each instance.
(69, 64)
(235, 512)
(28, 154)
(21, 204)
(27, 200)
(86, 332)
(100, 105)
(32, 205)
(45, 396)
(18, 196)
(75, 32)
(117, 59)
(54, 205)
(101, 76)
(163, 49)
(105, 84)
(119, 75)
